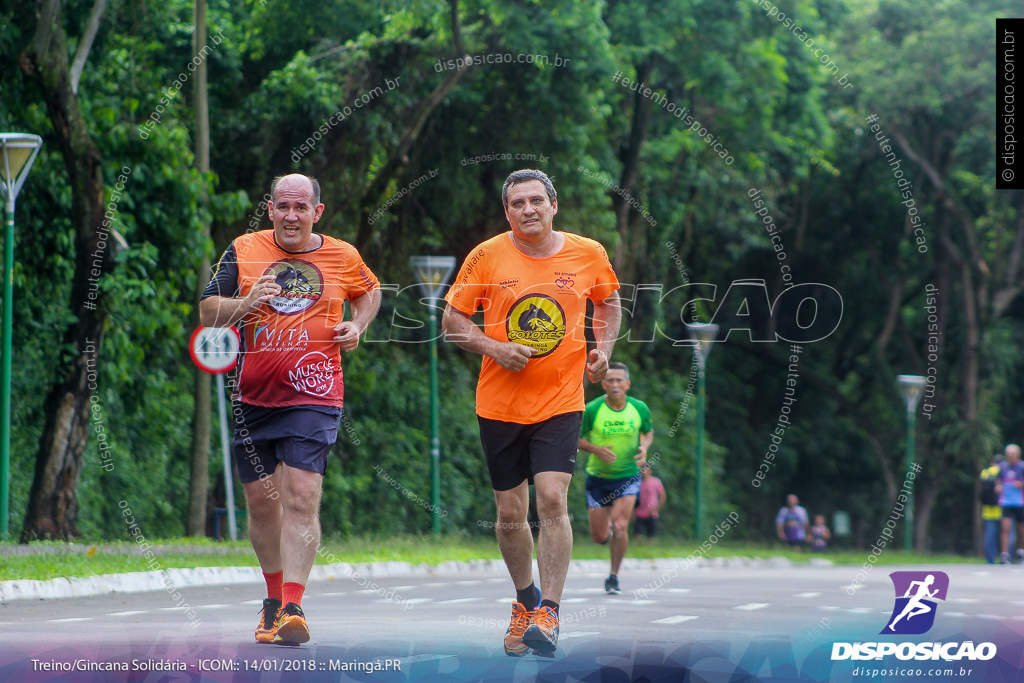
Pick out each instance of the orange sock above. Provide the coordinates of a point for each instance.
(293, 593)
(274, 584)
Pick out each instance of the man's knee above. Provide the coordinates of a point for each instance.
(302, 490)
(620, 525)
(511, 511)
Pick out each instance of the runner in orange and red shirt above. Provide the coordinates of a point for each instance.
(532, 284)
(286, 289)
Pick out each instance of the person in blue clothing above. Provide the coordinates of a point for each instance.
(792, 523)
(1011, 499)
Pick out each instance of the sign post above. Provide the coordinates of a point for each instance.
(215, 350)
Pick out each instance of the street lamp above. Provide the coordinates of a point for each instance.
(705, 335)
(19, 151)
(912, 386)
(432, 273)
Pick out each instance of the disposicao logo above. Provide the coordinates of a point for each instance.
(913, 613)
(916, 593)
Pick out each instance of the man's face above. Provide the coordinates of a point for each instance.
(529, 210)
(293, 212)
(615, 383)
(791, 501)
(1012, 454)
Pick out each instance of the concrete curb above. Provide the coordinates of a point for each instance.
(175, 579)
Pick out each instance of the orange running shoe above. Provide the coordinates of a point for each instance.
(542, 635)
(267, 628)
(521, 620)
(292, 628)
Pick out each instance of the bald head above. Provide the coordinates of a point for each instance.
(296, 180)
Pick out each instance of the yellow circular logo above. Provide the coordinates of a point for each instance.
(536, 321)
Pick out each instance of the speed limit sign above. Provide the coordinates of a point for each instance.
(214, 349)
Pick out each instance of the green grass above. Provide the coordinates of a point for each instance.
(115, 558)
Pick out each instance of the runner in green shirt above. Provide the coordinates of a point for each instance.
(617, 432)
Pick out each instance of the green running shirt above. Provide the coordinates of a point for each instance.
(620, 431)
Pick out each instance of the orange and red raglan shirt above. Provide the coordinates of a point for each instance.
(288, 355)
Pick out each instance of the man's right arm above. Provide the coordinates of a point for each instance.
(467, 335)
(220, 307)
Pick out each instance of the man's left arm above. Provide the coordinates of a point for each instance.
(364, 310)
(607, 319)
(646, 438)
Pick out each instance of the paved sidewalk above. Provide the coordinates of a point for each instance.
(135, 582)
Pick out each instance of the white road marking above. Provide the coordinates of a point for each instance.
(456, 601)
(260, 602)
(331, 595)
(639, 602)
(129, 613)
(571, 600)
(210, 606)
(399, 588)
(417, 601)
(467, 583)
(678, 619)
(578, 634)
(955, 614)
(678, 590)
(964, 600)
(434, 584)
(750, 607)
(861, 610)
(68, 620)
(806, 595)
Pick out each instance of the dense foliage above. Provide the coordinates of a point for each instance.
(425, 110)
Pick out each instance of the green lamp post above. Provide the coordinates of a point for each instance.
(18, 151)
(704, 335)
(433, 272)
(911, 386)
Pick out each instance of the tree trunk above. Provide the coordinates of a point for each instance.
(629, 155)
(199, 483)
(53, 502)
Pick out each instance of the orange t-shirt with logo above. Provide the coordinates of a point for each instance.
(541, 303)
(289, 356)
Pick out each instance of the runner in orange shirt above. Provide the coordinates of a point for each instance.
(533, 284)
(286, 288)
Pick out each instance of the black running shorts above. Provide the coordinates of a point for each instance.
(516, 452)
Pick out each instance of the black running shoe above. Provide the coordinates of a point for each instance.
(267, 629)
(611, 585)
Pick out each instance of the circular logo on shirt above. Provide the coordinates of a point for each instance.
(301, 283)
(537, 321)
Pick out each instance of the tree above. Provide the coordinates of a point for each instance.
(53, 503)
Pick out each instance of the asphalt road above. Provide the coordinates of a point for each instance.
(729, 624)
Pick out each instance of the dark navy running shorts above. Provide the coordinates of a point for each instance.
(299, 436)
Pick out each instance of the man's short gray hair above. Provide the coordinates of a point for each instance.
(525, 175)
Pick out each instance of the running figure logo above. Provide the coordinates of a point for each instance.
(916, 592)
